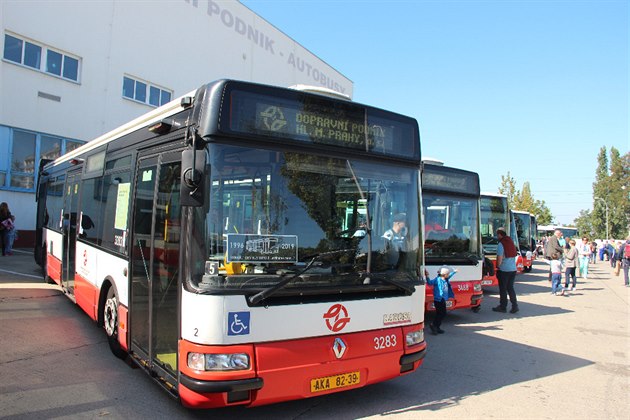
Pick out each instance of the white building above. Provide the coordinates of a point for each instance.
(72, 70)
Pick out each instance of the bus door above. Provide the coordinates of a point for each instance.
(154, 320)
(69, 228)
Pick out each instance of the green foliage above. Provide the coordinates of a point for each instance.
(524, 200)
(583, 223)
(508, 188)
(611, 189)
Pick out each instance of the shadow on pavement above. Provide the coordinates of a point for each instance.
(448, 375)
(442, 380)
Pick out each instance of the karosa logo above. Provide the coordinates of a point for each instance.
(336, 317)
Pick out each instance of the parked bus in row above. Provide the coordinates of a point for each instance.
(534, 235)
(567, 231)
(231, 243)
(450, 205)
(495, 214)
(523, 222)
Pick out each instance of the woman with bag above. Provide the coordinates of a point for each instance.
(7, 229)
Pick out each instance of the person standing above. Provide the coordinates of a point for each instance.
(506, 272)
(585, 256)
(593, 258)
(7, 229)
(601, 250)
(570, 264)
(612, 254)
(442, 291)
(623, 256)
(556, 275)
(553, 246)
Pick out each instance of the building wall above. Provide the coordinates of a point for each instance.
(174, 45)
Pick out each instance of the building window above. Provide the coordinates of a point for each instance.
(32, 55)
(137, 90)
(41, 57)
(21, 152)
(53, 62)
(12, 49)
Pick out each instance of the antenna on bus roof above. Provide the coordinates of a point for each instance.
(321, 91)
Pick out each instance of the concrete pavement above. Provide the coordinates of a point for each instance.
(559, 357)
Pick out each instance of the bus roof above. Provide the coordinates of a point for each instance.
(144, 120)
(489, 194)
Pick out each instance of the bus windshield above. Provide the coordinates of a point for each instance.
(523, 230)
(321, 222)
(450, 227)
(494, 214)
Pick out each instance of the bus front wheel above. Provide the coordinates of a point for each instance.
(110, 323)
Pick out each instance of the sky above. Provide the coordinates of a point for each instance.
(533, 89)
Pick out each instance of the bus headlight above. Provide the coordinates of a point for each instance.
(218, 362)
(477, 287)
(414, 337)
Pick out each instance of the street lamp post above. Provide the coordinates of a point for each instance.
(606, 204)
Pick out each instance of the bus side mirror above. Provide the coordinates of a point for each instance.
(193, 178)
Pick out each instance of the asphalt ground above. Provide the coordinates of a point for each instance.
(559, 357)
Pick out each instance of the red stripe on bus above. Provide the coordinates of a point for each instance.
(123, 326)
(53, 267)
(86, 295)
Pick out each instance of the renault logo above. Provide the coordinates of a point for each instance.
(339, 347)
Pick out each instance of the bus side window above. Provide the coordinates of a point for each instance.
(116, 193)
(91, 205)
(54, 202)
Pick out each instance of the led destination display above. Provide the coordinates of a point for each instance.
(320, 120)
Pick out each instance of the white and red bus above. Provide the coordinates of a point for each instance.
(495, 214)
(534, 235)
(523, 221)
(450, 205)
(230, 243)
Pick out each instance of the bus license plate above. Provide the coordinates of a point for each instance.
(336, 381)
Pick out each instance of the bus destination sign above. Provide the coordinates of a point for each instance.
(318, 125)
(450, 180)
(323, 121)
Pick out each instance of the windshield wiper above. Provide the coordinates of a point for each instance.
(409, 289)
(255, 299)
(474, 258)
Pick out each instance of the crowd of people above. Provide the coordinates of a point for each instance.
(568, 258)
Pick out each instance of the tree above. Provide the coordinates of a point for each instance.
(508, 188)
(600, 190)
(610, 189)
(583, 223)
(524, 200)
(542, 213)
(618, 195)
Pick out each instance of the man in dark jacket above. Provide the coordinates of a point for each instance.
(554, 247)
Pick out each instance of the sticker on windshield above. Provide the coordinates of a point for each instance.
(261, 248)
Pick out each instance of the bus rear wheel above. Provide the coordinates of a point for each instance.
(110, 323)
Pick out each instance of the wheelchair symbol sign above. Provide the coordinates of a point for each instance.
(238, 323)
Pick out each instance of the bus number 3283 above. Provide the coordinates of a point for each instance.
(385, 342)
